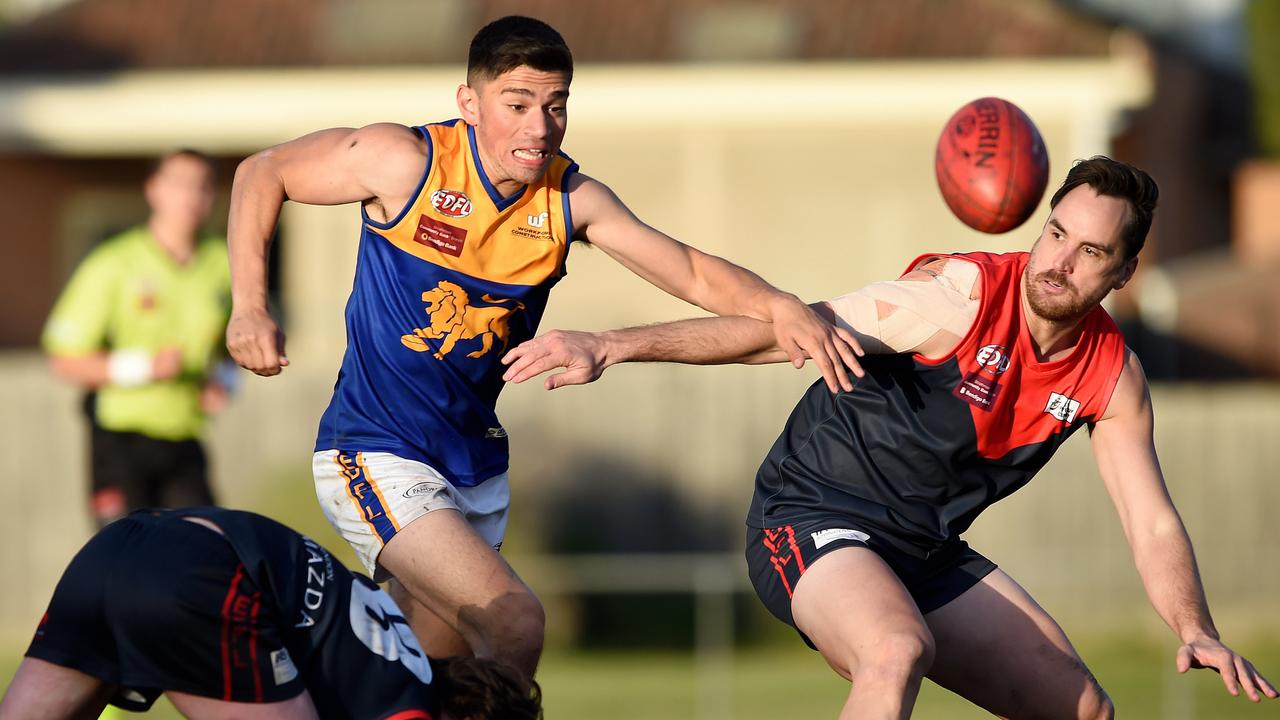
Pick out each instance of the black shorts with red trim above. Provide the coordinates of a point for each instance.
(778, 557)
(199, 625)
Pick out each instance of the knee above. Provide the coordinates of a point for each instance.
(1097, 705)
(513, 630)
(525, 619)
(515, 622)
(902, 653)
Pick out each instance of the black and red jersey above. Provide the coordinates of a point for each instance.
(258, 614)
(348, 639)
(922, 446)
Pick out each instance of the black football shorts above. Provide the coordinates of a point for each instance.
(203, 627)
(777, 558)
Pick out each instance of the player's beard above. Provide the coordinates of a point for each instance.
(1069, 306)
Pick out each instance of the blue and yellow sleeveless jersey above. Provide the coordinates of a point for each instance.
(441, 292)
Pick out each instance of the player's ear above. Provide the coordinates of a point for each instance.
(469, 104)
(1126, 273)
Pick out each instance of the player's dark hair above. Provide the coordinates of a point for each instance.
(187, 153)
(479, 689)
(512, 41)
(1121, 180)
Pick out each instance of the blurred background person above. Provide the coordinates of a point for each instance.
(139, 326)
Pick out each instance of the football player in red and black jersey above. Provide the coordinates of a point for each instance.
(977, 367)
(233, 615)
(465, 230)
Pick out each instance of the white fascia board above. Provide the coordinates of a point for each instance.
(236, 112)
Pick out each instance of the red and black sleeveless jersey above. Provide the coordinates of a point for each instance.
(345, 637)
(921, 447)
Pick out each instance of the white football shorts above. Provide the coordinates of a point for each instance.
(369, 496)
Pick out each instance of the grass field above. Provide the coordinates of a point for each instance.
(791, 682)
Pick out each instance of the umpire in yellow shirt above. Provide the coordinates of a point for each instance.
(140, 324)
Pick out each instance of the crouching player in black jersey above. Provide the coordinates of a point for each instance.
(978, 367)
(231, 614)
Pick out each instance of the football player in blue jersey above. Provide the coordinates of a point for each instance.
(466, 228)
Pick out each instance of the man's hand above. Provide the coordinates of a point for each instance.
(581, 354)
(214, 398)
(1208, 652)
(256, 343)
(801, 332)
(166, 364)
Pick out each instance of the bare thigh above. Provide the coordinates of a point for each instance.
(203, 708)
(452, 572)
(999, 649)
(848, 602)
(42, 690)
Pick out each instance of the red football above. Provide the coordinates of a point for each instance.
(991, 165)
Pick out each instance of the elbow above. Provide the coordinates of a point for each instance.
(249, 167)
(243, 178)
(1155, 534)
(61, 368)
(246, 166)
(258, 178)
(253, 168)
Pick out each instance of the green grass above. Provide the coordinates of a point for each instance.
(792, 682)
(789, 681)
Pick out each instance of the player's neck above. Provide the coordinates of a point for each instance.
(506, 187)
(178, 242)
(1051, 339)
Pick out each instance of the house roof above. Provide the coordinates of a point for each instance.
(106, 35)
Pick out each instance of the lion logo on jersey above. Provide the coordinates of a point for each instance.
(454, 318)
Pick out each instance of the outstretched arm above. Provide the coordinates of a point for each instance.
(1125, 451)
(926, 311)
(700, 341)
(378, 165)
(707, 281)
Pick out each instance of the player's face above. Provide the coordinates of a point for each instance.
(181, 192)
(520, 118)
(1079, 257)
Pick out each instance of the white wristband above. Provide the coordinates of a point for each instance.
(129, 368)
